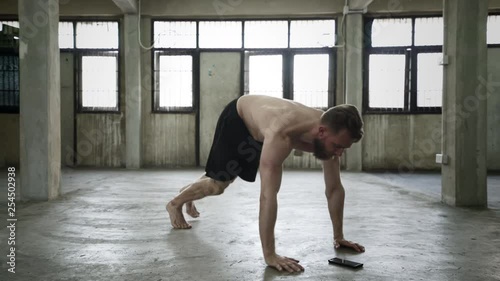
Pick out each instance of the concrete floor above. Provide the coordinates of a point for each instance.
(112, 225)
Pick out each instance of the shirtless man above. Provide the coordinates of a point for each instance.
(260, 131)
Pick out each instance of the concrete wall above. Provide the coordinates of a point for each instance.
(9, 140)
(67, 109)
(71, 7)
(400, 141)
(493, 150)
(219, 84)
(168, 140)
(100, 140)
(406, 142)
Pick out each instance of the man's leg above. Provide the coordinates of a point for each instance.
(203, 187)
(190, 207)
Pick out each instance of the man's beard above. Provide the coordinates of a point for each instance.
(319, 150)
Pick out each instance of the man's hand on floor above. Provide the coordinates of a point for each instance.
(284, 263)
(344, 243)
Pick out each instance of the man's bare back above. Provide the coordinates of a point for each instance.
(268, 116)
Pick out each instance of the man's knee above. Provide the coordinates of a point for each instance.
(220, 186)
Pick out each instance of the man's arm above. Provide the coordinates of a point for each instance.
(335, 196)
(274, 152)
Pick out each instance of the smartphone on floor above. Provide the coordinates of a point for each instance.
(344, 262)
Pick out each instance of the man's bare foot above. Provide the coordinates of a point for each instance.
(176, 218)
(191, 210)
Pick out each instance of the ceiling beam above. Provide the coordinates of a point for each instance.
(358, 4)
(127, 6)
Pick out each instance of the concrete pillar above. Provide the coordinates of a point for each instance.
(354, 80)
(40, 127)
(132, 92)
(464, 103)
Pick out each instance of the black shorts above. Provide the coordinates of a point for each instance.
(234, 151)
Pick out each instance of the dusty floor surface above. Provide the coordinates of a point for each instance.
(112, 225)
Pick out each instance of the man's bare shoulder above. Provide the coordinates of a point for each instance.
(273, 106)
(269, 116)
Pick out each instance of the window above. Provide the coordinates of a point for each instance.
(403, 71)
(312, 33)
(282, 58)
(429, 31)
(386, 81)
(302, 72)
(220, 34)
(391, 32)
(175, 83)
(9, 67)
(175, 34)
(99, 76)
(266, 34)
(96, 47)
(66, 35)
(174, 58)
(265, 75)
(311, 79)
(9, 82)
(493, 29)
(429, 80)
(97, 35)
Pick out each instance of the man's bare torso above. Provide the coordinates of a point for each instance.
(268, 117)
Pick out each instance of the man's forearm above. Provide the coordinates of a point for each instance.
(336, 208)
(267, 221)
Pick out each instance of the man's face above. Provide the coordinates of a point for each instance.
(327, 144)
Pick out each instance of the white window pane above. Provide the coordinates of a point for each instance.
(310, 79)
(493, 30)
(175, 34)
(11, 23)
(220, 34)
(391, 32)
(386, 81)
(312, 33)
(266, 34)
(66, 38)
(429, 80)
(99, 81)
(97, 35)
(176, 81)
(266, 75)
(429, 31)
(8, 41)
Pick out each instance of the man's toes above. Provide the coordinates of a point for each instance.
(193, 214)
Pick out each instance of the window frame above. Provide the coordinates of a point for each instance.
(498, 44)
(332, 71)
(286, 52)
(78, 54)
(411, 72)
(263, 52)
(12, 109)
(155, 82)
(11, 51)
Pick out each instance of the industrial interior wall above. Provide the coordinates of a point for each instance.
(410, 142)
(168, 139)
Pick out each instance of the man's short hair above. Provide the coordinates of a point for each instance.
(344, 116)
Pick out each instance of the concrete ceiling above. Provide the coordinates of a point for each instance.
(358, 4)
(127, 6)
